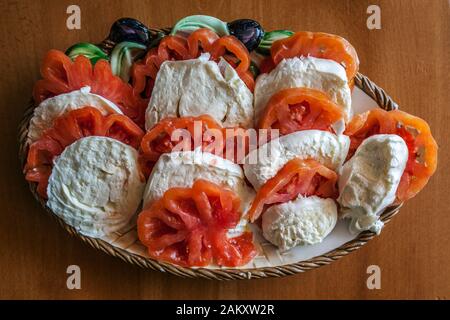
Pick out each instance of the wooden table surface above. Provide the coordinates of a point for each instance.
(409, 57)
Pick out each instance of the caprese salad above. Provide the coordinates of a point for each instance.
(168, 126)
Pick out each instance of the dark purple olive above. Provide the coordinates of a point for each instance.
(129, 29)
(248, 31)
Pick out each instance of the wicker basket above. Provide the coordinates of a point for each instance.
(361, 81)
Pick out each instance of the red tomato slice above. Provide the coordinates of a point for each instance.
(422, 147)
(201, 40)
(143, 70)
(233, 252)
(68, 128)
(76, 124)
(121, 128)
(81, 72)
(173, 48)
(297, 109)
(364, 125)
(61, 75)
(297, 177)
(40, 162)
(234, 46)
(319, 45)
(267, 65)
(158, 140)
(186, 133)
(143, 73)
(188, 227)
(54, 70)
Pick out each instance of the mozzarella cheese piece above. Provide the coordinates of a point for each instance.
(181, 169)
(322, 74)
(51, 108)
(369, 180)
(96, 185)
(264, 163)
(199, 86)
(303, 221)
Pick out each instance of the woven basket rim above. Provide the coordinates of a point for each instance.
(361, 81)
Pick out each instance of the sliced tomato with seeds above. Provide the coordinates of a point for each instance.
(61, 75)
(297, 177)
(120, 128)
(319, 45)
(188, 227)
(74, 125)
(364, 125)
(423, 149)
(186, 133)
(233, 252)
(297, 109)
(181, 133)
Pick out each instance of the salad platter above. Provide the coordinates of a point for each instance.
(219, 150)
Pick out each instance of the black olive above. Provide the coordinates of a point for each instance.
(129, 29)
(248, 31)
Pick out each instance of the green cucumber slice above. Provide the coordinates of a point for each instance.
(271, 37)
(123, 56)
(254, 69)
(192, 23)
(89, 50)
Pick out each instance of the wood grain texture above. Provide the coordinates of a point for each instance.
(409, 57)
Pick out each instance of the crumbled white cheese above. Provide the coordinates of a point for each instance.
(303, 221)
(199, 86)
(96, 185)
(369, 180)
